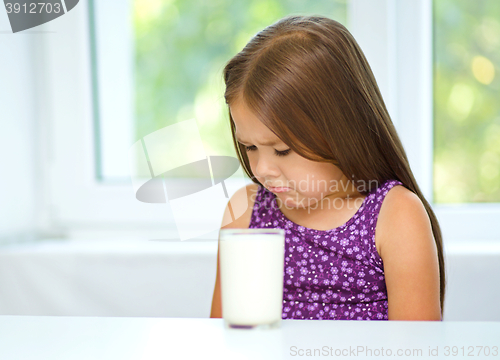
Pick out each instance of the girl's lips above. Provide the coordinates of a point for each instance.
(279, 189)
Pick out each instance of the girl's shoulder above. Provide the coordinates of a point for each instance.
(395, 197)
(400, 211)
(239, 208)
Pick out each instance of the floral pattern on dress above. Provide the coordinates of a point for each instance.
(332, 274)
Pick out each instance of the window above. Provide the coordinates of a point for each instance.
(466, 118)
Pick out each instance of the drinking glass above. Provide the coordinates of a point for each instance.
(251, 266)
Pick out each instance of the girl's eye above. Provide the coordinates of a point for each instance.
(282, 153)
(278, 153)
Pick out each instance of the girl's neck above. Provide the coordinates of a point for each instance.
(330, 212)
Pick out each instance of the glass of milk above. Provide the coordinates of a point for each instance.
(251, 275)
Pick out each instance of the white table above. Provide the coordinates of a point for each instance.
(68, 338)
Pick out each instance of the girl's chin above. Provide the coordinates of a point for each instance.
(290, 203)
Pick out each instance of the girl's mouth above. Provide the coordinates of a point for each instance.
(279, 189)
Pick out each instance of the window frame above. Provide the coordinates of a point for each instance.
(388, 31)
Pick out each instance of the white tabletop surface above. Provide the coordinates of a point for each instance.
(47, 337)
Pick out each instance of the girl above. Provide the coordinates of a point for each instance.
(311, 130)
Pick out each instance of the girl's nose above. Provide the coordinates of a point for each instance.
(266, 168)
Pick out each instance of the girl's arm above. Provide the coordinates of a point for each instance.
(408, 250)
(243, 197)
(216, 311)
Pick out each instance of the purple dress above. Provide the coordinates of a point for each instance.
(330, 274)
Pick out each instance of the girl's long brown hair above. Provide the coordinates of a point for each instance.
(308, 81)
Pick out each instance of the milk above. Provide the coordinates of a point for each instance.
(251, 271)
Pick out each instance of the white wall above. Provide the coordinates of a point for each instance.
(473, 288)
(18, 140)
(176, 279)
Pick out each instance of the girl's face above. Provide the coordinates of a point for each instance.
(298, 182)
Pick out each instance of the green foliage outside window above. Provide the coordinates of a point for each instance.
(466, 101)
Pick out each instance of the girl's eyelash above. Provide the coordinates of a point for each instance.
(278, 153)
(282, 153)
